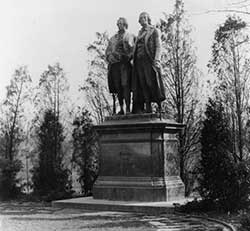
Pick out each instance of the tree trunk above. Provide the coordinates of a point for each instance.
(10, 151)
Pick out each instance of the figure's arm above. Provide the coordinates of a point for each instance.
(157, 36)
(131, 40)
(112, 55)
(129, 43)
(108, 52)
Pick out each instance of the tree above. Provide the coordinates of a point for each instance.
(53, 86)
(50, 178)
(8, 178)
(95, 86)
(216, 148)
(13, 111)
(181, 75)
(12, 130)
(52, 95)
(231, 65)
(85, 154)
(222, 181)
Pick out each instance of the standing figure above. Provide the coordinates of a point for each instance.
(119, 54)
(147, 85)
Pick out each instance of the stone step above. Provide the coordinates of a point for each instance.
(88, 203)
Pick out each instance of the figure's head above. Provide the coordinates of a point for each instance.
(144, 19)
(122, 24)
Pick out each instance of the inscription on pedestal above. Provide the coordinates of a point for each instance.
(125, 163)
(126, 159)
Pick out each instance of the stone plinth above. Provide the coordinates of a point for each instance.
(138, 159)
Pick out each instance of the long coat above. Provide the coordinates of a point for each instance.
(153, 50)
(113, 57)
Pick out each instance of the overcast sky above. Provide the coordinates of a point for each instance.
(41, 32)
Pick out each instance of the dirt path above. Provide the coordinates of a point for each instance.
(39, 217)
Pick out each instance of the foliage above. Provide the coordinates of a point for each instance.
(181, 75)
(197, 206)
(50, 178)
(243, 183)
(53, 86)
(52, 95)
(245, 222)
(12, 113)
(231, 64)
(8, 180)
(12, 130)
(222, 181)
(95, 86)
(85, 154)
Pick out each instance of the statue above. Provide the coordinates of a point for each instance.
(147, 85)
(119, 54)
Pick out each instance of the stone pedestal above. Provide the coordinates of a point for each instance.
(138, 159)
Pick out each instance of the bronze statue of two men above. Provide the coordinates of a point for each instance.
(143, 78)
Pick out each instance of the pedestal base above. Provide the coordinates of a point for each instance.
(139, 159)
(139, 189)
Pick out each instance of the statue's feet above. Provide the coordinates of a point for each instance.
(138, 111)
(148, 108)
(159, 109)
(127, 111)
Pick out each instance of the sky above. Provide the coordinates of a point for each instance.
(37, 33)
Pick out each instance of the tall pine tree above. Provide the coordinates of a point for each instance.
(231, 64)
(50, 178)
(85, 154)
(222, 181)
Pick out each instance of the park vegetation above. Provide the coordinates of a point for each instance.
(45, 138)
(224, 139)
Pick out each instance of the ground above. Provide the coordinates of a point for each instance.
(28, 216)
